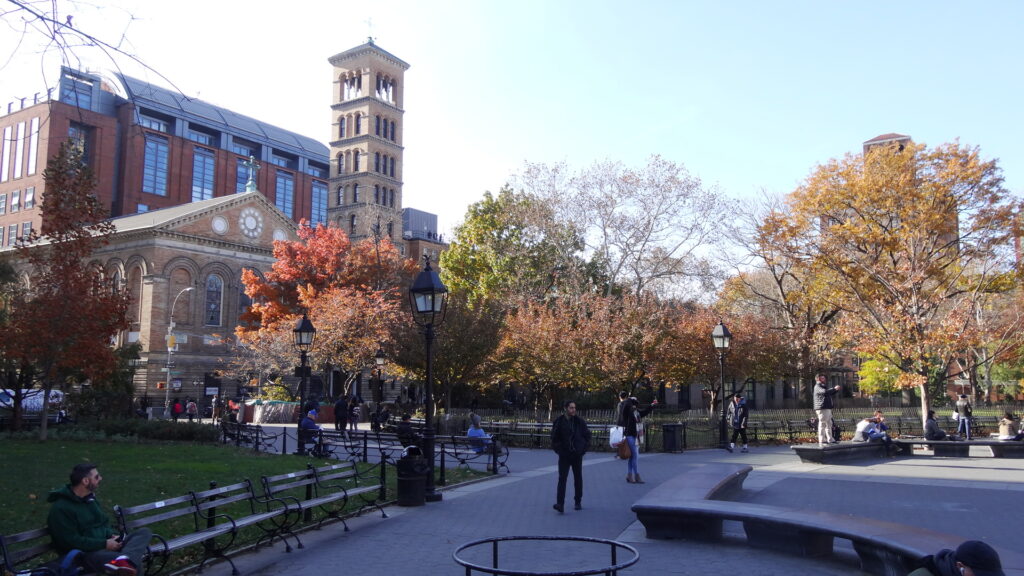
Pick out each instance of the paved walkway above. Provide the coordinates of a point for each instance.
(972, 498)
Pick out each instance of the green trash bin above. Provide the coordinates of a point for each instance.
(412, 477)
(672, 439)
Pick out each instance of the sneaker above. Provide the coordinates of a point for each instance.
(744, 450)
(558, 508)
(731, 445)
(121, 566)
(578, 506)
(728, 448)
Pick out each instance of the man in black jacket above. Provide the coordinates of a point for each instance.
(570, 439)
(823, 409)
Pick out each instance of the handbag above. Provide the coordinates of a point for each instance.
(614, 436)
(624, 451)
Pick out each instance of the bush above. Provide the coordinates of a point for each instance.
(159, 430)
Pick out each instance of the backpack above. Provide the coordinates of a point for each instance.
(67, 566)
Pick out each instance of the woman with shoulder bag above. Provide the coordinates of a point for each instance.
(632, 416)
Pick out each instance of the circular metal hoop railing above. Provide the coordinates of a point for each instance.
(614, 550)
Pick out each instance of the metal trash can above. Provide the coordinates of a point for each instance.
(412, 477)
(672, 441)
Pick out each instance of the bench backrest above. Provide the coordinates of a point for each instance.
(130, 518)
(275, 485)
(342, 471)
(224, 496)
(24, 546)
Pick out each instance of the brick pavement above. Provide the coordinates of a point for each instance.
(959, 496)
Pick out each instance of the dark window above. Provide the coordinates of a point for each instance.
(202, 174)
(318, 214)
(154, 168)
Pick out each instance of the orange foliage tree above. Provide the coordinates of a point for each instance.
(351, 291)
(62, 325)
(911, 242)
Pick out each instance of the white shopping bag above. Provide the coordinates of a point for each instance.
(614, 436)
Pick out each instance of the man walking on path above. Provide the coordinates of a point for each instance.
(570, 439)
(963, 416)
(823, 405)
(738, 415)
(76, 522)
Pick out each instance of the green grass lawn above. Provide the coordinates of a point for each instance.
(136, 473)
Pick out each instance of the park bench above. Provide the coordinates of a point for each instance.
(962, 448)
(164, 512)
(321, 488)
(240, 433)
(466, 450)
(31, 550)
(692, 506)
(838, 452)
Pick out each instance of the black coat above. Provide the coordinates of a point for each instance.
(570, 436)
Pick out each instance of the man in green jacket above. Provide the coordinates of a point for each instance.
(76, 522)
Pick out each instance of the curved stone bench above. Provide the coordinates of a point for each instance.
(691, 506)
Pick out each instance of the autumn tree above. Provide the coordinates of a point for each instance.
(910, 241)
(511, 248)
(775, 281)
(463, 348)
(53, 340)
(351, 291)
(645, 227)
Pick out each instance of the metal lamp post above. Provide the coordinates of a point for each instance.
(379, 359)
(171, 344)
(303, 336)
(721, 337)
(427, 297)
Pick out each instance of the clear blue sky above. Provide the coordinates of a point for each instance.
(747, 94)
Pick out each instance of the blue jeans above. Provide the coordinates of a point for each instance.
(964, 427)
(631, 467)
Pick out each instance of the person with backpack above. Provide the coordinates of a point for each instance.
(191, 409)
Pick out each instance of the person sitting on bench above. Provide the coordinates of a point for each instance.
(1009, 428)
(932, 430)
(874, 429)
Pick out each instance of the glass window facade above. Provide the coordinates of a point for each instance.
(318, 213)
(284, 193)
(203, 167)
(154, 168)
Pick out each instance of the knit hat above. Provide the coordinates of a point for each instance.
(980, 557)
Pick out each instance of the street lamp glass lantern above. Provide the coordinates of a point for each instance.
(427, 295)
(304, 334)
(721, 337)
(379, 357)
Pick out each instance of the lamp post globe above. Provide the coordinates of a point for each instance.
(427, 298)
(721, 338)
(303, 336)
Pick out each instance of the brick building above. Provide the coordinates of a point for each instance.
(198, 193)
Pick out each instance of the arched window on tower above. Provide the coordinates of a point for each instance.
(352, 225)
(391, 230)
(341, 163)
(377, 125)
(214, 300)
(359, 123)
(376, 161)
(376, 194)
(385, 128)
(355, 193)
(392, 168)
(392, 131)
(385, 169)
(341, 127)
(341, 195)
(355, 161)
(392, 202)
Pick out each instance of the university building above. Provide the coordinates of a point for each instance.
(198, 193)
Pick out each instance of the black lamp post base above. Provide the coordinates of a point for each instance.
(433, 497)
